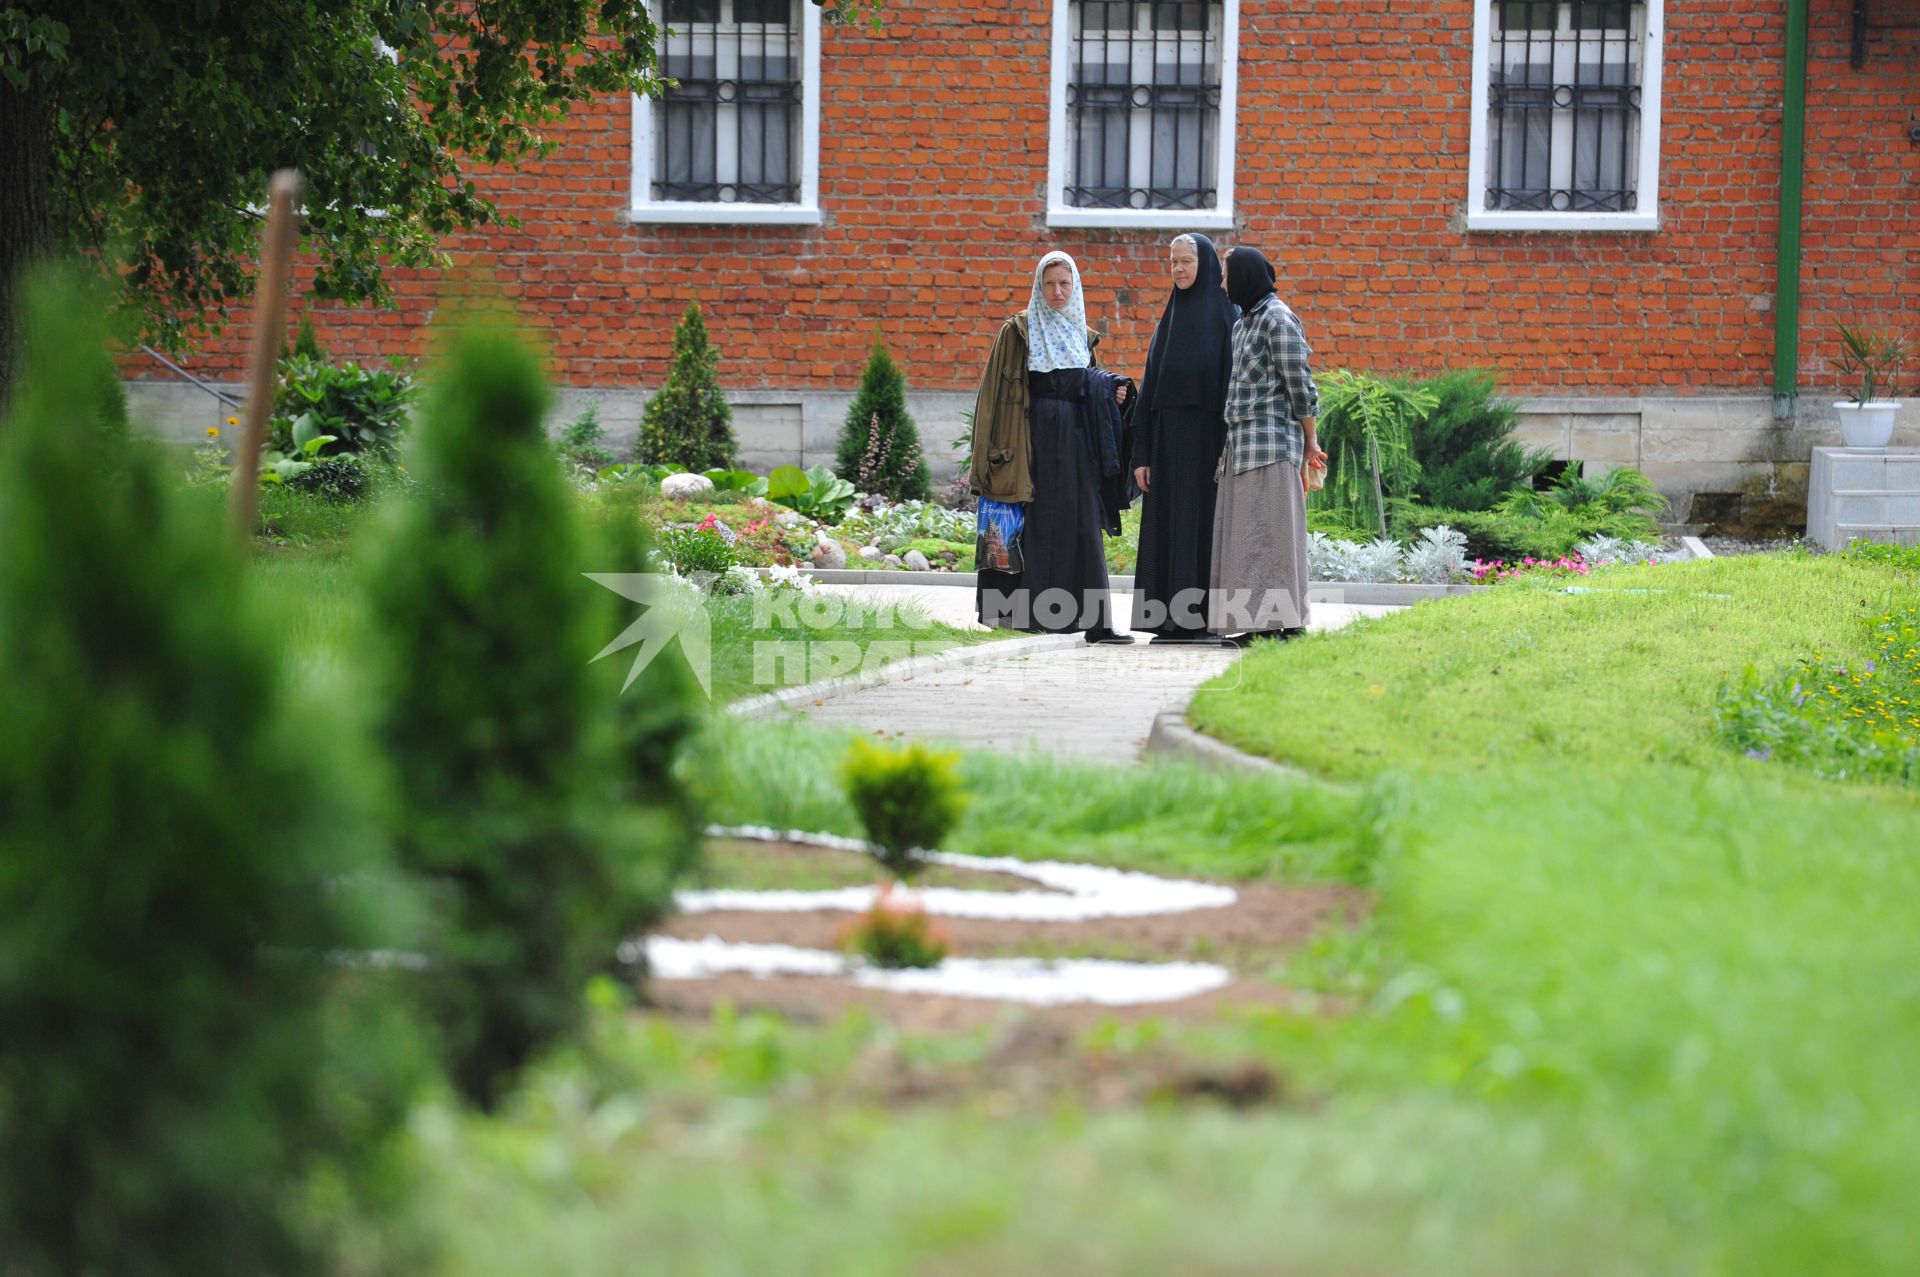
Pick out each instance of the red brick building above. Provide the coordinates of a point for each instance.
(1581, 194)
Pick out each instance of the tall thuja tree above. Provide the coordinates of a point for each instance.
(687, 421)
(183, 860)
(522, 808)
(879, 444)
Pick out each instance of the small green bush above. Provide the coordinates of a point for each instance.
(698, 549)
(687, 421)
(338, 479)
(364, 409)
(544, 841)
(1905, 558)
(907, 799)
(1492, 535)
(579, 442)
(879, 444)
(187, 1055)
(895, 936)
(817, 493)
(1467, 459)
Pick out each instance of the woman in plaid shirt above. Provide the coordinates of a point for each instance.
(1260, 519)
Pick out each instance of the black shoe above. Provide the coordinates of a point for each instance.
(1110, 637)
(1189, 640)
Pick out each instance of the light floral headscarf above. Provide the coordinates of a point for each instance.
(1057, 338)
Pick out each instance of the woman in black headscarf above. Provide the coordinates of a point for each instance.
(1260, 516)
(1179, 427)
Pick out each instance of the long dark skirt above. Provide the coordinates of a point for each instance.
(1064, 587)
(1260, 551)
(1176, 523)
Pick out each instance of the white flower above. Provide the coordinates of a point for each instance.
(788, 574)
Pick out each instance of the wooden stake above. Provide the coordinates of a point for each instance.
(269, 334)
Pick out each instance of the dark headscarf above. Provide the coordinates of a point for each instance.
(1249, 278)
(1191, 354)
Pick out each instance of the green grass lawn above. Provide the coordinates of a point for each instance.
(1657, 1020)
(1628, 1002)
(1525, 675)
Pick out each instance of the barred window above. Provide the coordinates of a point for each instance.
(1143, 107)
(734, 138)
(1566, 113)
(730, 129)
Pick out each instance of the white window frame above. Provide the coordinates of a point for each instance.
(643, 208)
(1646, 214)
(1060, 148)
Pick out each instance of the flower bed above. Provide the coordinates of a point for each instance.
(1838, 719)
(1438, 556)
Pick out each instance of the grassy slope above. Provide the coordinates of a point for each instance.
(1531, 677)
(1629, 1004)
(1639, 1028)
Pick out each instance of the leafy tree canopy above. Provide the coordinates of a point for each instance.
(144, 133)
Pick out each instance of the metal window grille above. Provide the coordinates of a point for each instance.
(1563, 105)
(1143, 104)
(729, 132)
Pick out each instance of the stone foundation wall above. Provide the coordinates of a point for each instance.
(1723, 461)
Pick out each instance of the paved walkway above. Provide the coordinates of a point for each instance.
(1087, 701)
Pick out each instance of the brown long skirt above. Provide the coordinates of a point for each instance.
(1259, 552)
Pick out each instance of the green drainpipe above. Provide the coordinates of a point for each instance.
(1786, 306)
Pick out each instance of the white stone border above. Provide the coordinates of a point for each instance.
(1079, 892)
(1033, 981)
(1075, 892)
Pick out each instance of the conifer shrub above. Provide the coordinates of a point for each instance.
(186, 1053)
(687, 421)
(879, 444)
(908, 799)
(895, 934)
(536, 805)
(1464, 447)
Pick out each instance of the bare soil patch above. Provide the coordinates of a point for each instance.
(1249, 937)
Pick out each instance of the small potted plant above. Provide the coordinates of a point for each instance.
(1871, 361)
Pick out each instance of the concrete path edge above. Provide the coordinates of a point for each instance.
(1173, 737)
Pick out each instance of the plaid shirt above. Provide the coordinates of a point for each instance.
(1271, 391)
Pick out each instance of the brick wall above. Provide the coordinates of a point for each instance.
(1353, 135)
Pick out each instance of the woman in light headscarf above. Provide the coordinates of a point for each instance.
(1179, 427)
(1040, 454)
(1260, 519)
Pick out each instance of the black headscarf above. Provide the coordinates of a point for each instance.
(1249, 278)
(1191, 354)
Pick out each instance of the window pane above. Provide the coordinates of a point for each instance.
(1592, 15)
(1180, 15)
(1106, 15)
(1530, 15)
(682, 11)
(771, 12)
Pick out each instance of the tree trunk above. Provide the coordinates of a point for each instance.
(26, 224)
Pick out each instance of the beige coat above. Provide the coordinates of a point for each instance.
(1002, 468)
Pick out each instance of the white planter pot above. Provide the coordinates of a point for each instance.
(1866, 427)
